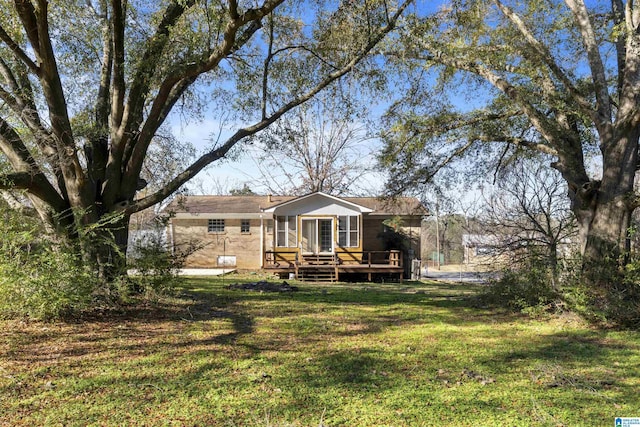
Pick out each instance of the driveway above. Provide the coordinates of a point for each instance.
(458, 276)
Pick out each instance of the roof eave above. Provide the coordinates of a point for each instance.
(362, 209)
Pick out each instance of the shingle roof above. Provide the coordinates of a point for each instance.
(254, 204)
(397, 206)
(224, 204)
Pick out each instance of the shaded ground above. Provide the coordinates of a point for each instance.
(264, 286)
(409, 354)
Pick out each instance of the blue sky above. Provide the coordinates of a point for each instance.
(240, 169)
(234, 173)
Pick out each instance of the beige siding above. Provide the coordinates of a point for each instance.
(244, 246)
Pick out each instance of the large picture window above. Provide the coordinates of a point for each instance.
(286, 232)
(348, 231)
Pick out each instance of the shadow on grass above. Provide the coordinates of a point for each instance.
(568, 347)
(576, 348)
(213, 340)
(204, 299)
(372, 294)
(314, 311)
(588, 362)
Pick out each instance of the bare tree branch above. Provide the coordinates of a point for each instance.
(220, 152)
(596, 65)
(171, 89)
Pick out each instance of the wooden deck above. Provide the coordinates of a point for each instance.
(323, 268)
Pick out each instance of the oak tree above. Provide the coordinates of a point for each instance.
(85, 87)
(498, 77)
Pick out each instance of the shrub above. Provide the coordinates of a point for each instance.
(154, 269)
(617, 299)
(528, 290)
(39, 280)
(607, 294)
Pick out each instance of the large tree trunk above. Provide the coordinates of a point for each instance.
(104, 248)
(603, 239)
(606, 235)
(604, 210)
(112, 255)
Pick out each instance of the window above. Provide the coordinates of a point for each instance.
(281, 233)
(354, 238)
(292, 240)
(342, 231)
(286, 232)
(348, 231)
(245, 226)
(216, 226)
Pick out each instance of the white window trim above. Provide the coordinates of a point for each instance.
(348, 231)
(287, 230)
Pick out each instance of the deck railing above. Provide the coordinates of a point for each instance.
(291, 259)
(280, 258)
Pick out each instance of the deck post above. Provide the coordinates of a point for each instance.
(394, 258)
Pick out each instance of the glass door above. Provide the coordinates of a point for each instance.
(309, 236)
(317, 235)
(325, 231)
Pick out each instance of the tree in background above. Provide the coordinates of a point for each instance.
(244, 191)
(86, 89)
(450, 229)
(530, 216)
(315, 148)
(559, 78)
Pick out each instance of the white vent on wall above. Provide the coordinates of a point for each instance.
(227, 260)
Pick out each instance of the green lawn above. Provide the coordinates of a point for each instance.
(411, 354)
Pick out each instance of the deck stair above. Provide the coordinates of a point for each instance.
(318, 268)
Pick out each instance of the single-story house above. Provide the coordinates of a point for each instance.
(298, 235)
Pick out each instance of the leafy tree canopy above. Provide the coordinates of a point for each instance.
(244, 191)
(86, 87)
(492, 79)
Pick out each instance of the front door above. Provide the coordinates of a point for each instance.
(317, 235)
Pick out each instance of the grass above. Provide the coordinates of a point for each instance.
(411, 354)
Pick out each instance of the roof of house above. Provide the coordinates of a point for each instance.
(256, 204)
